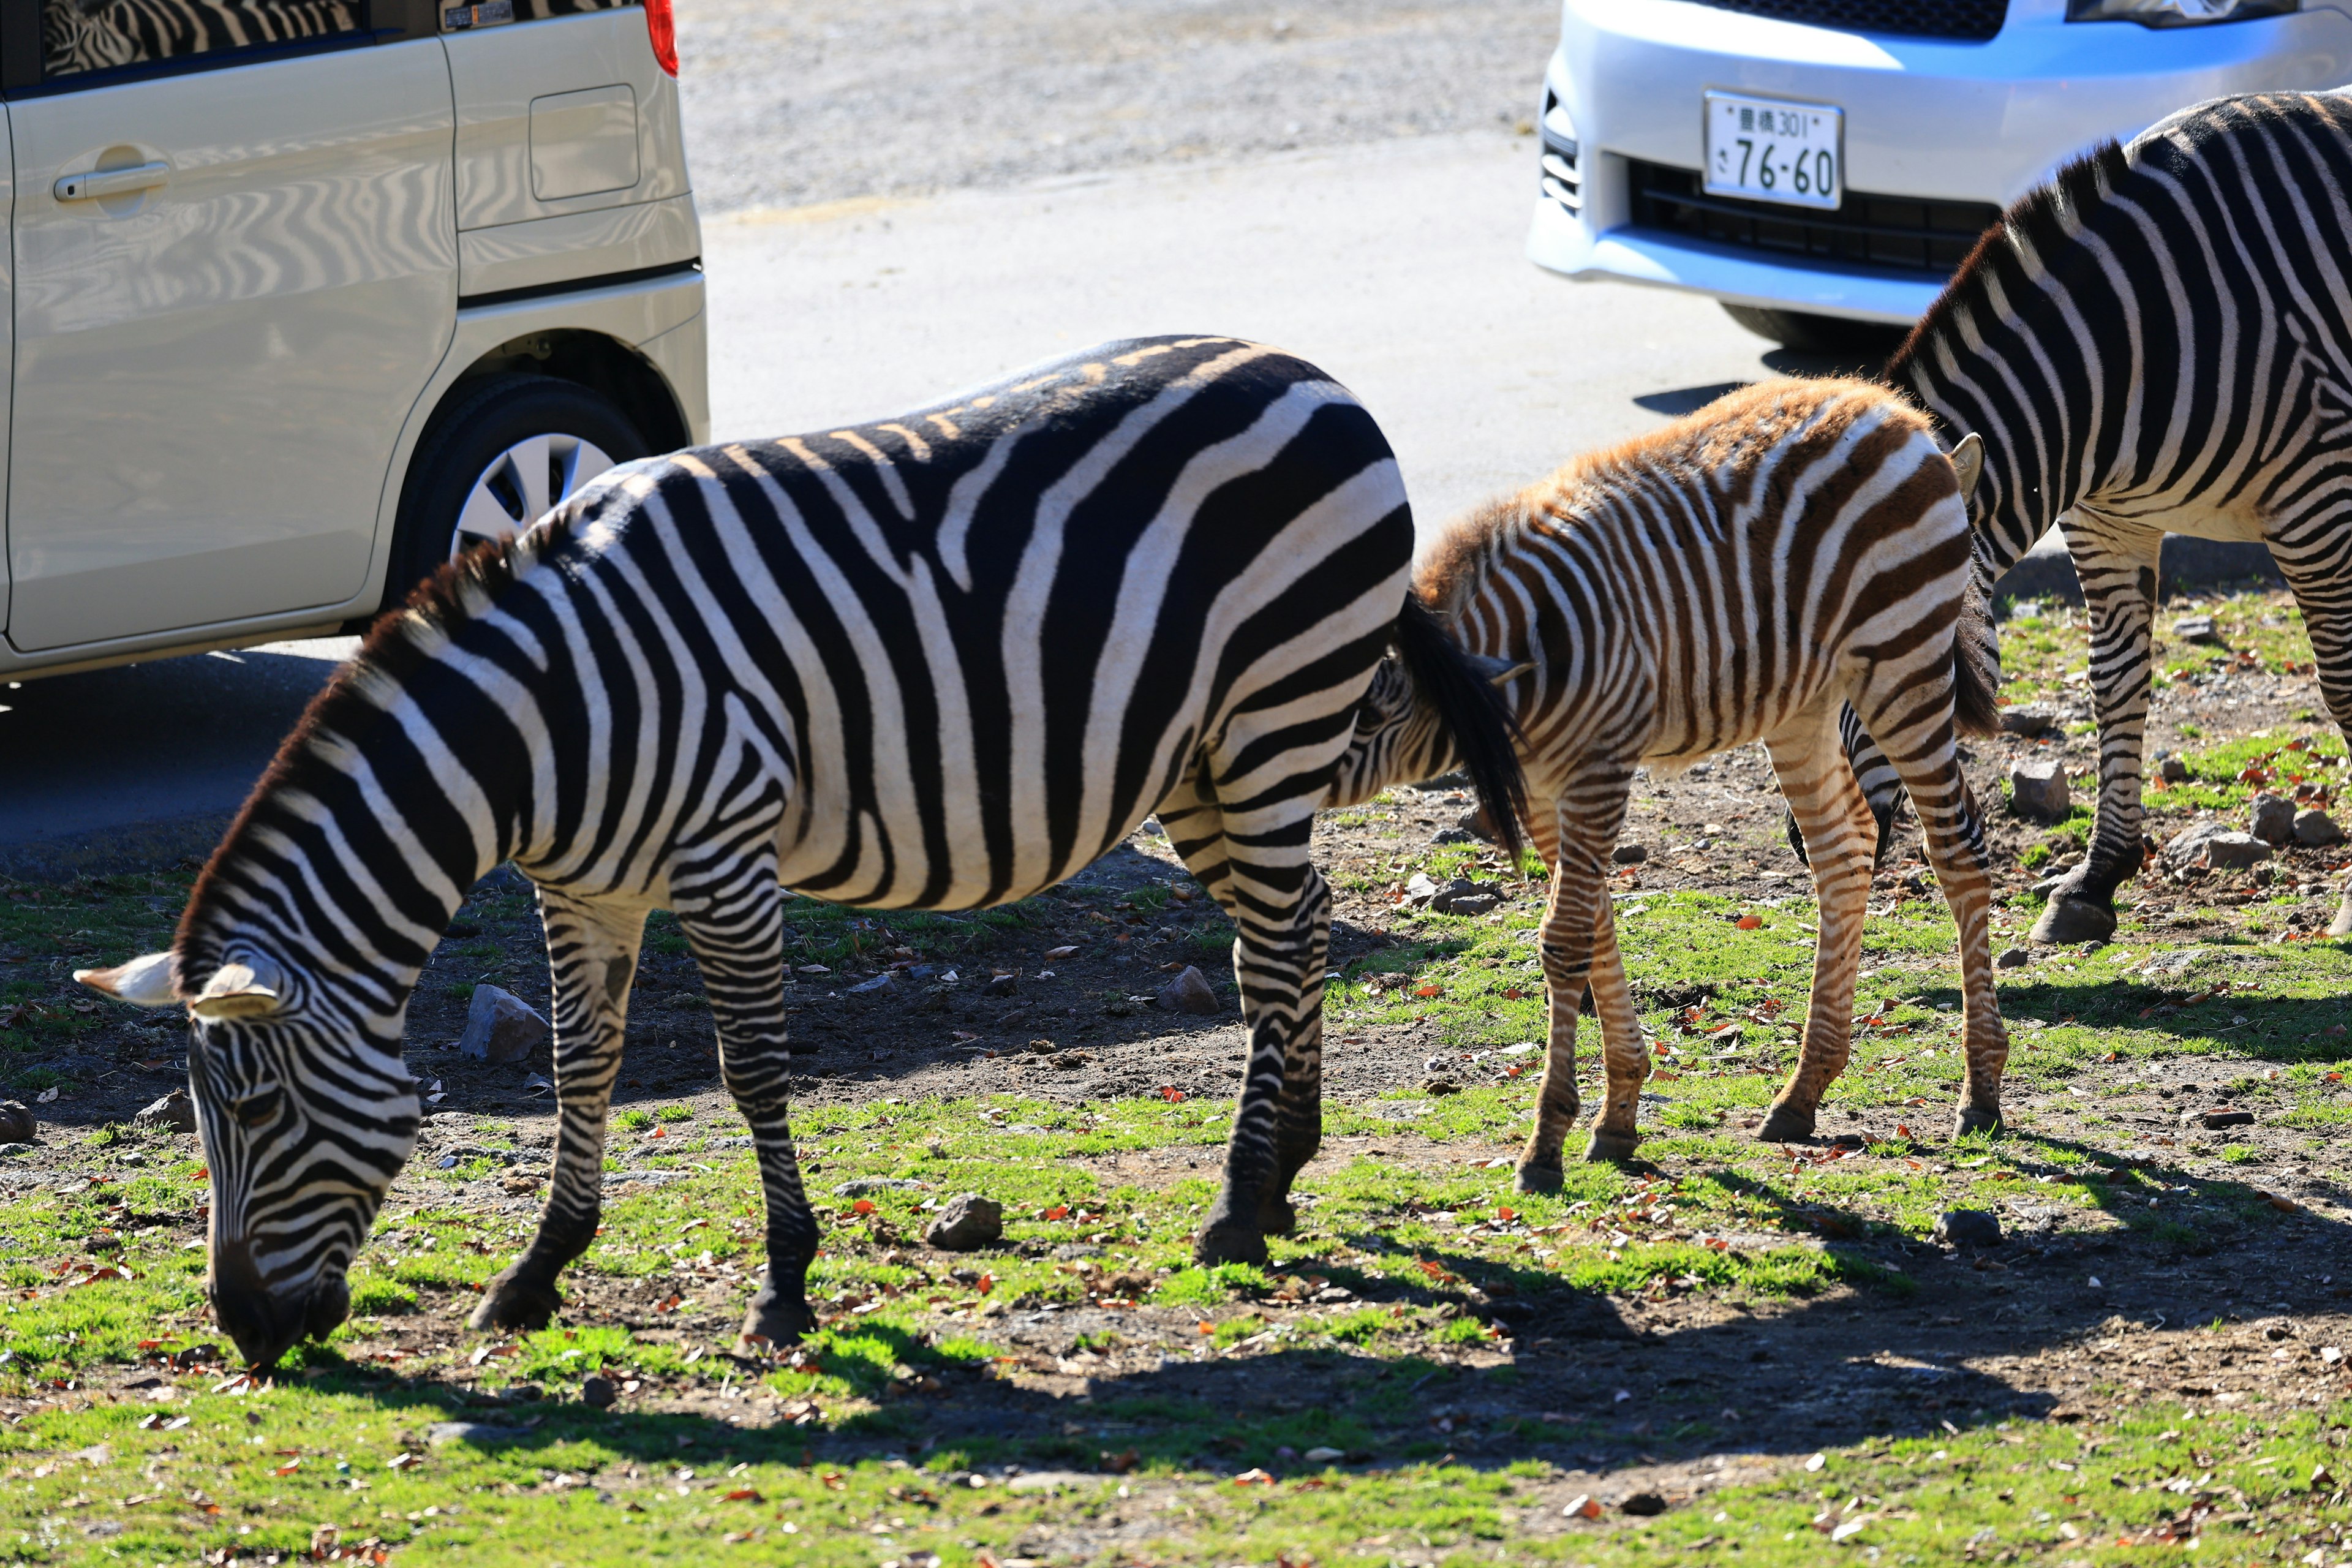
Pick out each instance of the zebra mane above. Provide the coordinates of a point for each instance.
(402, 640)
(2034, 224)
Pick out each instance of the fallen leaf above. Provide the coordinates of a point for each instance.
(1060, 952)
(1253, 1477)
(1749, 922)
(1582, 1507)
(46, 1096)
(743, 1494)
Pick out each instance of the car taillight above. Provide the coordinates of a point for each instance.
(661, 28)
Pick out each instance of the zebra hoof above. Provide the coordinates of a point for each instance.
(2342, 924)
(2067, 921)
(775, 1321)
(514, 1300)
(1275, 1217)
(1230, 1243)
(1975, 1118)
(1612, 1146)
(1534, 1178)
(1788, 1123)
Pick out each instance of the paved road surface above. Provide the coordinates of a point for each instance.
(1395, 266)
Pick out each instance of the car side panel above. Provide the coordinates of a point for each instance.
(211, 376)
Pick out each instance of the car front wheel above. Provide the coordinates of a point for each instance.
(498, 462)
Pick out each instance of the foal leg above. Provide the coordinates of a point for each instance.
(2116, 562)
(592, 951)
(1579, 945)
(1253, 860)
(1840, 841)
(1929, 760)
(732, 913)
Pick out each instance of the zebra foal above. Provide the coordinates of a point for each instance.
(1738, 575)
(941, 661)
(2159, 341)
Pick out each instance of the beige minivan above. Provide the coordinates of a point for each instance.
(307, 294)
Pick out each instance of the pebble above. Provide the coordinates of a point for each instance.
(175, 1113)
(2037, 791)
(2030, 719)
(18, 1125)
(2272, 820)
(500, 1026)
(596, 1390)
(2210, 842)
(969, 1223)
(2172, 769)
(2196, 628)
(2013, 958)
(1190, 992)
(1631, 854)
(1967, 1227)
(2315, 829)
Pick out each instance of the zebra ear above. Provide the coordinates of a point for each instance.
(148, 981)
(1968, 462)
(239, 991)
(1497, 671)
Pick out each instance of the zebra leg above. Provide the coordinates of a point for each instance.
(1880, 785)
(735, 924)
(2323, 591)
(591, 954)
(1254, 862)
(2116, 562)
(1827, 801)
(1579, 947)
(1954, 831)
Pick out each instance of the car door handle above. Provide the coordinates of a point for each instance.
(92, 183)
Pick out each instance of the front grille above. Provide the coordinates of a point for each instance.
(1902, 232)
(1971, 21)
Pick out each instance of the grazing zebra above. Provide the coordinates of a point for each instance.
(941, 661)
(1736, 576)
(80, 36)
(2160, 340)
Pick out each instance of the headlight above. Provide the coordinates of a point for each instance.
(2176, 12)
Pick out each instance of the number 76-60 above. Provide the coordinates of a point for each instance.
(1809, 174)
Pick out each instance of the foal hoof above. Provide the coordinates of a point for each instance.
(1786, 1124)
(1229, 1243)
(2067, 921)
(1609, 1146)
(1974, 1118)
(1533, 1178)
(512, 1301)
(776, 1321)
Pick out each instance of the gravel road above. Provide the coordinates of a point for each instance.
(824, 99)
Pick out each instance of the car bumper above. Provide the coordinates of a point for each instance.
(1926, 119)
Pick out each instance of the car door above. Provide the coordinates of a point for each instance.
(235, 269)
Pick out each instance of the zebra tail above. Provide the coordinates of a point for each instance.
(1475, 716)
(1976, 665)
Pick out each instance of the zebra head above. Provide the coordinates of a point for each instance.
(306, 1119)
(1401, 736)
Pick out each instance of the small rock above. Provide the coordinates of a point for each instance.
(2013, 958)
(596, 1391)
(867, 1186)
(1967, 1227)
(998, 985)
(2233, 851)
(1419, 889)
(1477, 825)
(2273, 819)
(969, 1223)
(1631, 854)
(2220, 1116)
(1453, 836)
(1190, 992)
(2315, 829)
(1466, 899)
(477, 1432)
(18, 1125)
(500, 1026)
(2037, 791)
(2172, 771)
(2030, 719)
(2195, 628)
(175, 1113)
(1643, 1505)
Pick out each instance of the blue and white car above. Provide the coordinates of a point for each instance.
(1820, 166)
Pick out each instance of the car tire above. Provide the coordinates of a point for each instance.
(499, 460)
(1810, 334)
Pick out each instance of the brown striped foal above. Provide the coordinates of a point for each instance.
(1736, 576)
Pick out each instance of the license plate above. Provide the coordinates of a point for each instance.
(1770, 150)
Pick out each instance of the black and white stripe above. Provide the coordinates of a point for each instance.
(940, 661)
(2161, 340)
